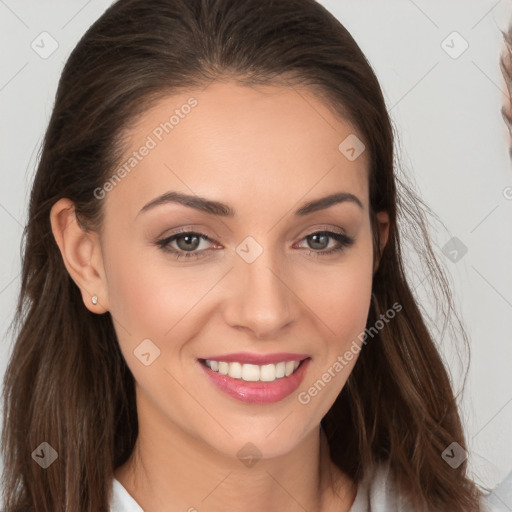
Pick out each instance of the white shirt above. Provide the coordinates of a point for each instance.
(122, 500)
(379, 496)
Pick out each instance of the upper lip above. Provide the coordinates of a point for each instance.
(259, 359)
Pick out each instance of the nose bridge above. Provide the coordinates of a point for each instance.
(262, 300)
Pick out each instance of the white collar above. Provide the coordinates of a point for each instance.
(122, 500)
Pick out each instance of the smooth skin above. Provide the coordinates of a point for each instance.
(264, 151)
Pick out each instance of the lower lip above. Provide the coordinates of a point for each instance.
(258, 392)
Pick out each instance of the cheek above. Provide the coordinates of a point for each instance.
(147, 296)
(341, 297)
(151, 300)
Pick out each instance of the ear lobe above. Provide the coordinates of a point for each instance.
(81, 254)
(383, 227)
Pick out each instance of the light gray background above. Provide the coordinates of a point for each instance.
(453, 142)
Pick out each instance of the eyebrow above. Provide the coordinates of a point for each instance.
(223, 210)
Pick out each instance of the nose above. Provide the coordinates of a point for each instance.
(261, 300)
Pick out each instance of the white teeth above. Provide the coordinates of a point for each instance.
(289, 368)
(235, 370)
(254, 372)
(250, 372)
(268, 372)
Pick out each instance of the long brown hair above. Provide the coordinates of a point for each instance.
(67, 383)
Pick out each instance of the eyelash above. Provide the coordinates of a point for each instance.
(344, 241)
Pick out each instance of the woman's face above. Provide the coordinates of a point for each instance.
(264, 285)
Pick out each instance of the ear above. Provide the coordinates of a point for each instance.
(81, 253)
(383, 227)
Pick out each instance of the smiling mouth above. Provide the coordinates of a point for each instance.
(253, 372)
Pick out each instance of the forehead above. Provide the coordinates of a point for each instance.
(242, 145)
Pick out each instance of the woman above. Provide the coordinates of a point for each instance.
(214, 312)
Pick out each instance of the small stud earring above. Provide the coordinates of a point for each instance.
(95, 300)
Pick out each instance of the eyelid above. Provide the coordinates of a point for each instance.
(168, 238)
(322, 228)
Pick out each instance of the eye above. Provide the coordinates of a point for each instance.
(187, 244)
(319, 241)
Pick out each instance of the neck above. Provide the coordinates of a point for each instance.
(170, 470)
